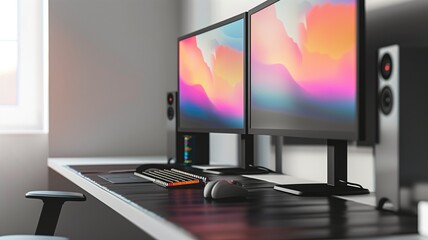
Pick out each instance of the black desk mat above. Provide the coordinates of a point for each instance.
(265, 214)
(86, 169)
(123, 178)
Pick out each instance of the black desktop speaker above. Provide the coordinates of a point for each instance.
(401, 156)
(184, 147)
(171, 125)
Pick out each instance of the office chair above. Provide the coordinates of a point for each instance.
(52, 204)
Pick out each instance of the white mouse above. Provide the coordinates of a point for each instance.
(222, 189)
(208, 188)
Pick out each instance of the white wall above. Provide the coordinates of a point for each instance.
(23, 168)
(111, 64)
(379, 4)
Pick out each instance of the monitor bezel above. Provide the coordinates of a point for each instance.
(317, 134)
(243, 130)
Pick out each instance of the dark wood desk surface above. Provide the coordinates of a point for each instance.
(265, 214)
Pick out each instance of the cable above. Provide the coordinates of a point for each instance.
(351, 184)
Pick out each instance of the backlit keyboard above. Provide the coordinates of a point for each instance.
(171, 177)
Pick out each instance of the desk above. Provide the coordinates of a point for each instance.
(266, 214)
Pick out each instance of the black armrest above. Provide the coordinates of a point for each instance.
(52, 204)
(56, 195)
(31, 237)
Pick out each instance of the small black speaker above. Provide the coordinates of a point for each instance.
(400, 156)
(183, 147)
(171, 125)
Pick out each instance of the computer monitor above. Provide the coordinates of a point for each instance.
(303, 69)
(212, 78)
(304, 65)
(212, 81)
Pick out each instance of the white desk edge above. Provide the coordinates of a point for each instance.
(148, 221)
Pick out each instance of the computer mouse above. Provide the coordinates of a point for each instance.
(208, 188)
(223, 189)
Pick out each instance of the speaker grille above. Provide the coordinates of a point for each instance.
(170, 113)
(386, 100)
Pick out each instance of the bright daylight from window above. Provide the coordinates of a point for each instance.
(23, 66)
(8, 52)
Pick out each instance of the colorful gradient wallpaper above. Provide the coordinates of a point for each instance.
(304, 66)
(211, 79)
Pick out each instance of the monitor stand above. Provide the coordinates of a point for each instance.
(249, 170)
(337, 157)
(246, 158)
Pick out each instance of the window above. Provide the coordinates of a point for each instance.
(8, 52)
(23, 66)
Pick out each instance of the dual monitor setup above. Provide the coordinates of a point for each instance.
(286, 68)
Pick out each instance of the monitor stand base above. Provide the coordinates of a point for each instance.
(320, 189)
(237, 171)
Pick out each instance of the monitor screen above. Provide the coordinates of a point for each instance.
(211, 78)
(303, 68)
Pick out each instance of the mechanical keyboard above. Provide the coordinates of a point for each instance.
(170, 178)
